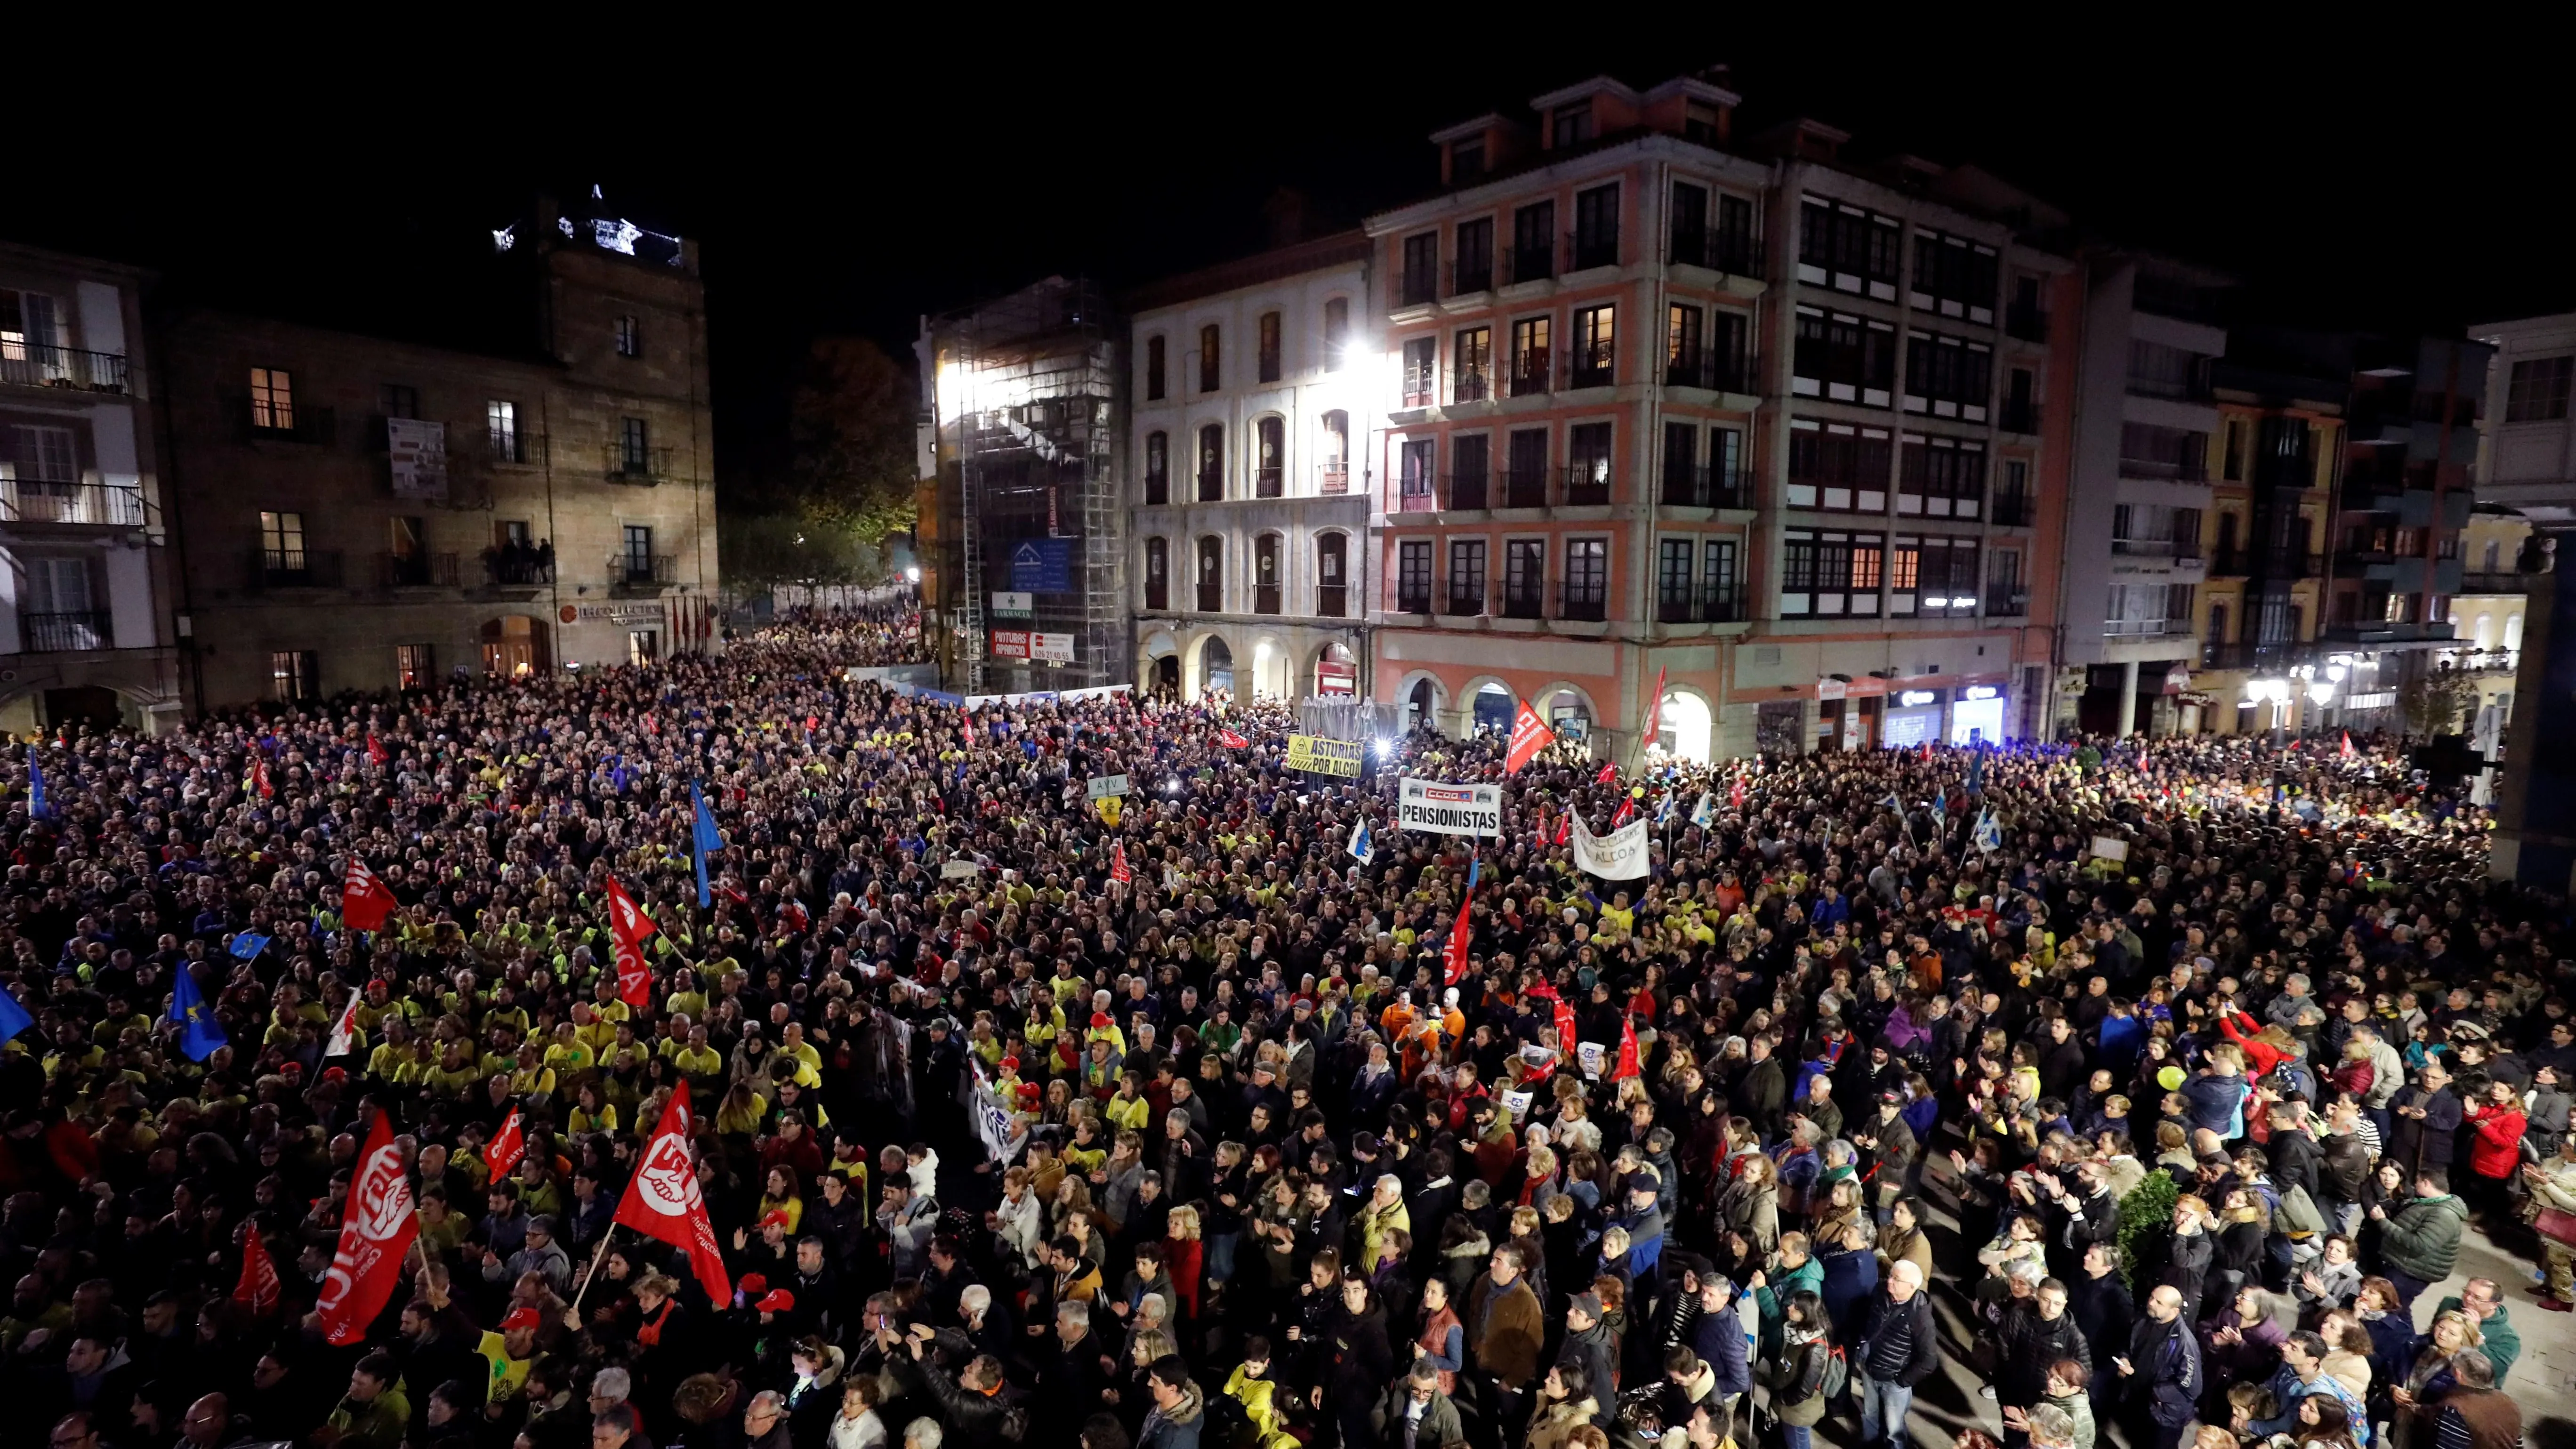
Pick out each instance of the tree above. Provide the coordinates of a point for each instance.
(2436, 701)
(851, 423)
(765, 550)
(2146, 1227)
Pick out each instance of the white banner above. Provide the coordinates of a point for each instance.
(417, 452)
(1103, 786)
(1619, 855)
(1002, 1134)
(1438, 809)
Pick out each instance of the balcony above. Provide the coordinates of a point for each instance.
(2476, 581)
(416, 570)
(1595, 365)
(1585, 601)
(66, 633)
(644, 467)
(2006, 603)
(294, 568)
(1466, 276)
(1417, 287)
(1587, 485)
(1466, 603)
(2217, 654)
(1211, 485)
(1471, 384)
(1467, 490)
(37, 364)
(514, 449)
(1719, 251)
(1158, 595)
(101, 504)
(1531, 373)
(1689, 487)
(2180, 550)
(1269, 481)
(1419, 387)
(2012, 510)
(1700, 608)
(2275, 563)
(2192, 388)
(1332, 601)
(2021, 418)
(2184, 467)
(1524, 488)
(1704, 368)
(1587, 249)
(1409, 599)
(318, 427)
(1529, 264)
(519, 567)
(1158, 489)
(1332, 479)
(2025, 322)
(1211, 598)
(642, 571)
(2144, 628)
(1265, 598)
(1415, 495)
(2485, 661)
(1524, 603)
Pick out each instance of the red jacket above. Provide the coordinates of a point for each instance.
(2260, 1056)
(2497, 1150)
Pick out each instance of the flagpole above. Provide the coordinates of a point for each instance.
(592, 1275)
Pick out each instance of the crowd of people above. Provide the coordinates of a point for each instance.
(2161, 1080)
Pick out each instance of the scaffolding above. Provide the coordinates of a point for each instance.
(1027, 396)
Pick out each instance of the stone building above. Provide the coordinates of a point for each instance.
(360, 512)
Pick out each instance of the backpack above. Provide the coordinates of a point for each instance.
(1224, 1425)
(1837, 1374)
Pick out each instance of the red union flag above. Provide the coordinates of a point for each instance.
(627, 928)
(662, 1200)
(260, 1287)
(1655, 713)
(376, 1230)
(506, 1147)
(1118, 870)
(375, 751)
(259, 777)
(1530, 735)
(365, 901)
(344, 1032)
(1232, 741)
(1628, 1065)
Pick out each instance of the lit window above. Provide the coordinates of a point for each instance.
(412, 669)
(272, 399)
(630, 336)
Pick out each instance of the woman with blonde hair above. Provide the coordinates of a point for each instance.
(1182, 1258)
(1748, 1210)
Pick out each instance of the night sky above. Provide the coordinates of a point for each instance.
(2400, 186)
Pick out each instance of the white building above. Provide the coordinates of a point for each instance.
(1248, 431)
(84, 626)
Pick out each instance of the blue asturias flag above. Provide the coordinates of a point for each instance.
(13, 1017)
(1706, 810)
(248, 945)
(37, 809)
(199, 1032)
(704, 838)
(1362, 848)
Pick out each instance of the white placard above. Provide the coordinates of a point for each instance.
(1442, 809)
(1619, 855)
(417, 453)
(1518, 1104)
(1590, 1053)
(1104, 786)
(2110, 847)
(958, 869)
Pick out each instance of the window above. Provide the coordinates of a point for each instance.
(2232, 465)
(1418, 381)
(2537, 392)
(1955, 277)
(42, 462)
(1265, 574)
(1595, 346)
(634, 450)
(1682, 346)
(501, 421)
(1571, 125)
(61, 609)
(281, 539)
(2156, 370)
(1690, 223)
(294, 674)
(1848, 249)
(2155, 530)
(2005, 596)
(1524, 578)
(1332, 574)
(1158, 467)
(1838, 466)
(396, 400)
(1335, 474)
(1596, 227)
(1525, 469)
(1673, 598)
(2491, 557)
(630, 335)
(272, 399)
(1466, 161)
(1475, 265)
(1466, 576)
(1211, 575)
(1337, 331)
(1842, 358)
(30, 329)
(1158, 573)
(1413, 576)
(2148, 609)
(1419, 283)
(1472, 365)
(1827, 574)
(2150, 451)
(1154, 387)
(1587, 463)
(1948, 377)
(643, 646)
(1270, 461)
(412, 667)
(1531, 359)
(1932, 575)
(639, 553)
(1533, 257)
(1212, 463)
(1941, 477)
(1415, 475)
(1470, 464)
(1587, 577)
(1208, 370)
(1266, 344)
(1717, 582)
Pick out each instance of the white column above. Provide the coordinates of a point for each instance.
(2128, 699)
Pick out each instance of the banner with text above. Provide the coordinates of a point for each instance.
(1440, 809)
(1619, 855)
(1325, 757)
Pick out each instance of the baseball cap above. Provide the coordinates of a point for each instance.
(1587, 1304)
(776, 1300)
(519, 1318)
(774, 1218)
(753, 1285)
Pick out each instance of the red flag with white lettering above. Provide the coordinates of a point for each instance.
(507, 1146)
(376, 1230)
(663, 1202)
(1628, 1064)
(1530, 735)
(1735, 795)
(1232, 741)
(375, 751)
(1118, 870)
(259, 777)
(344, 1032)
(1608, 774)
(365, 901)
(260, 1287)
(1655, 712)
(627, 928)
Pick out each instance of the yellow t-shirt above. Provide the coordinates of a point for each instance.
(505, 1375)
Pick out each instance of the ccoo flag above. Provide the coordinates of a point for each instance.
(704, 840)
(376, 1230)
(344, 1032)
(627, 928)
(1453, 957)
(1530, 735)
(663, 1201)
(199, 1033)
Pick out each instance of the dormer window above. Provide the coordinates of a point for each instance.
(1699, 123)
(1571, 125)
(1466, 162)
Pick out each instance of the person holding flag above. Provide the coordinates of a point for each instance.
(1361, 848)
(1453, 955)
(365, 901)
(345, 1036)
(37, 806)
(704, 840)
(628, 928)
(1530, 735)
(200, 1034)
(663, 1201)
(376, 1231)
(507, 1146)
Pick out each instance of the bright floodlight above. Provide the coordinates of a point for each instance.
(912, 576)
